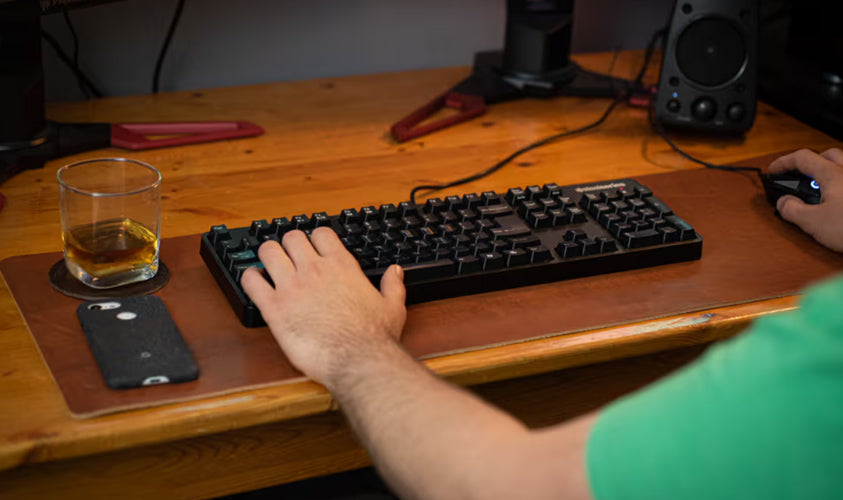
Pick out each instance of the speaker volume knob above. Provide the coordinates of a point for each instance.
(736, 112)
(674, 105)
(704, 109)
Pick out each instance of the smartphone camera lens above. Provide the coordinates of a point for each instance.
(95, 307)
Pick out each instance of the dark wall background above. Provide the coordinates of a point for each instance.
(226, 42)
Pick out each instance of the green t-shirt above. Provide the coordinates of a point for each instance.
(758, 417)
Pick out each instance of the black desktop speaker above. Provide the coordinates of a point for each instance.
(708, 75)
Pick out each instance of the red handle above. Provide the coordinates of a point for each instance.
(133, 135)
(469, 106)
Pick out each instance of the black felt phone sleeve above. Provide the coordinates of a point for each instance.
(135, 342)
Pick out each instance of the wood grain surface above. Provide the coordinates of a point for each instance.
(326, 148)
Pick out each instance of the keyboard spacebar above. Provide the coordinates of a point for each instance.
(420, 271)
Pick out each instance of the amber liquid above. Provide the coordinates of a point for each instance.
(113, 249)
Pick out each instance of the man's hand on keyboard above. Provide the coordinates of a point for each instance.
(322, 309)
(824, 221)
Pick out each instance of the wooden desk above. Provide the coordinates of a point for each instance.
(327, 148)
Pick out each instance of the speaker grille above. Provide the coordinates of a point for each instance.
(710, 52)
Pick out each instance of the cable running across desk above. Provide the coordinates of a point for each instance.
(621, 95)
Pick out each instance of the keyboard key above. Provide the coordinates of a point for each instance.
(241, 257)
(369, 213)
(490, 198)
(407, 208)
(551, 189)
(509, 232)
(568, 249)
(224, 247)
(480, 247)
(607, 244)
(387, 211)
(259, 227)
(598, 209)
(350, 216)
(320, 219)
(472, 200)
(494, 210)
(548, 204)
(280, 226)
(574, 234)
(468, 264)
(686, 232)
(249, 242)
(617, 229)
(466, 227)
(577, 215)
(516, 257)
(514, 195)
(434, 206)
(524, 241)
(669, 234)
(453, 203)
(539, 253)
(558, 217)
(648, 213)
(485, 224)
(565, 201)
(643, 191)
(409, 221)
(219, 233)
(587, 199)
(492, 261)
(351, 229)
(527, 206)
(423, 271)
(607, 220)
(609, 195)
(534, 192)
(636, 204)
(619, 206)
(467, 214)
(638, 239)
(351, 241)
(237, 271)
(589, 246)
(301, 222)
(539, 219)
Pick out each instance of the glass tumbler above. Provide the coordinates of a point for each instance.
(110, 220)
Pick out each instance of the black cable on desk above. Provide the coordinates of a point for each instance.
(541, 142)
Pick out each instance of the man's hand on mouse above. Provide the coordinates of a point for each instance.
(322, 309)
(824, 221)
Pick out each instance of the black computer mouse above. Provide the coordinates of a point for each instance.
(796, 183)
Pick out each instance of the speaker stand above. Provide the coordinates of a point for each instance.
(490, 84)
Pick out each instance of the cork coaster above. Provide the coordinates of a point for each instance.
(64, 282)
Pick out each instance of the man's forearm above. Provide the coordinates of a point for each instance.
(431, 439)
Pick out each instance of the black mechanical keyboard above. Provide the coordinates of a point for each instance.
(461, 245)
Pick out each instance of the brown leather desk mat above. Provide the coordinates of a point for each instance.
(748, 254)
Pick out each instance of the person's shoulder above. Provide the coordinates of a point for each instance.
(829, 288)
(822, 304)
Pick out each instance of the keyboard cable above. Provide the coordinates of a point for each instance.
(619, 97)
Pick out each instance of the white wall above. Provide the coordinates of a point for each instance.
(227, 42)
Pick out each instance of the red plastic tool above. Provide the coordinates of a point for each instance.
(470, 106)
(134, 135)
